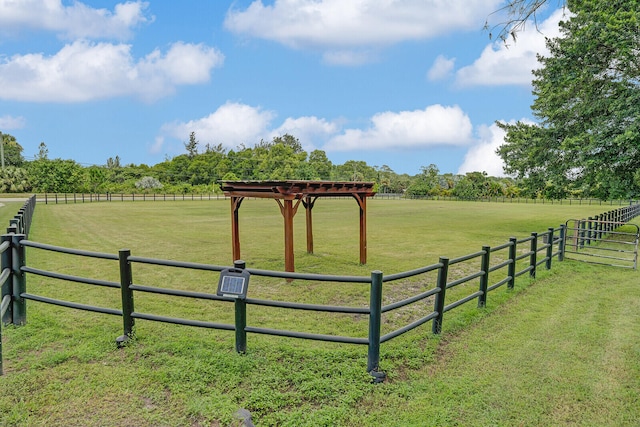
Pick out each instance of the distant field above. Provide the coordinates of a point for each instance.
(402, 234)
(488, 367)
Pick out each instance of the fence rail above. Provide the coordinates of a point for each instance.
(538, 249)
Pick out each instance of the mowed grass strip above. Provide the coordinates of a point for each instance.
(564, 351)
(546, 354)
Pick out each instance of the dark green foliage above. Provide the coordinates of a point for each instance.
(55, 176)
(427, 183)
(588, 105)
(12, 150)
(14, 180)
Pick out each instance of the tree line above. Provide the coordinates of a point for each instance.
(201, 168)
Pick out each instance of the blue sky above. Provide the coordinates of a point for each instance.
(402, 83)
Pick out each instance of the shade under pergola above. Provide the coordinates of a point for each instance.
(285, 193)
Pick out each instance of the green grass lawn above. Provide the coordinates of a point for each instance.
(561, 350)
(7, 211)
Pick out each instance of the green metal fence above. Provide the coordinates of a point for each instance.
(12, 280)
(498, 266)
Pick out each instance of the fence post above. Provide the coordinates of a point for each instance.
(375, 320)
(241, 316)
(511, 270)
(561, 242)
(19, 282)
(19, 219)
(14, 223)
(533, 259)
(550, 248)
(126, 280)
(6, 289)
(484, 279)
(438, 305)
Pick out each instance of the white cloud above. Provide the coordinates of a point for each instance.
(184, 63)
(482, 156)
(511, 65)
(157, 146)
(311, 131)
(433, 126)
(76, 20)
(231, 124)
(234, 124)
(10, 122)
(84, 71)
(441, 68)
(343, 28)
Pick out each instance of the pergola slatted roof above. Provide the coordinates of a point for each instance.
(296, 189)
(305, 192)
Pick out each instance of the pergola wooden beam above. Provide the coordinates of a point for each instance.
(362, 203)
(305, 192)
(288, 210)
(308, 203)
(235, 228)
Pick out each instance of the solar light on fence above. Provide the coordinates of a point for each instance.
(233, 283)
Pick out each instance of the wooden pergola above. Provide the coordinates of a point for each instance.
(285, 193)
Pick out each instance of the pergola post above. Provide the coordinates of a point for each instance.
(362, 203)
(308, 203)
(288, 211)
(289, 264)
(235, 229)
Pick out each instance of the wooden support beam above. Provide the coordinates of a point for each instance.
(362, 203)
(308, 203)
(235, 228)
(289, 263)
(288, 210)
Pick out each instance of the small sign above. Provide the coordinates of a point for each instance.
(233, 283)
